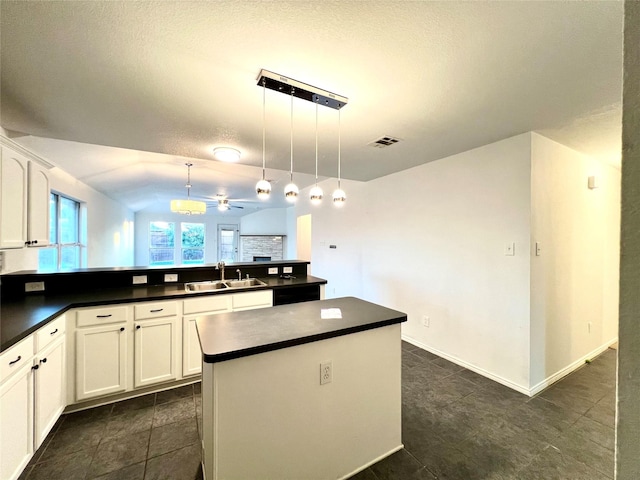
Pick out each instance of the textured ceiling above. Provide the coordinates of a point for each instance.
(162, 81)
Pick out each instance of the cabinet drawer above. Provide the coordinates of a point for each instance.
(246, 301)
(208, 304)
(155, 310)
(101, 315)
(16, 357)
(50, 332)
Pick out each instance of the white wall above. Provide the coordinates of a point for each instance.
(430, 241)
(109, 223)
(574, 281)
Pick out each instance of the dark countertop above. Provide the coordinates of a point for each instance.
(226, 336)
(19, 317)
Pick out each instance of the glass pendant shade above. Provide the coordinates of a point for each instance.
(339, 197)
(315, 195)
(263, 189)
(223, 205)
(291, 192)
(188, 207)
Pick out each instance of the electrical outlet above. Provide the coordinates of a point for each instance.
(326, 373)
(426, 321)
(139, 279)
(34, 287)
(287, 270)
(170, 277)
(273, 271)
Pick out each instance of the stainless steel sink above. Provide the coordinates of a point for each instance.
(204, 286)
(247, 282)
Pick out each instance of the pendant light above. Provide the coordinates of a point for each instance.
(263, 187)
(291, 190)
(339, 197)
(315, 195)
(188, 206)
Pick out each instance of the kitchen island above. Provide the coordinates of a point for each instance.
(288, 394)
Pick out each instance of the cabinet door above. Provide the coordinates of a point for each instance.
(155, 351)
(13, 199)
(191, 351)
(38, 206)
(49, 389)
(16, 423)
(101, 360)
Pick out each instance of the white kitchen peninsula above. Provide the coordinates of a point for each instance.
(268, 411)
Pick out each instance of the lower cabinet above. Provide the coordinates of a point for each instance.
(101, 360)
(49, 391)
(155, 351)
(32, 384)
(16, 423)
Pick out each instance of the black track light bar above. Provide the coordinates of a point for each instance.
(280, 83)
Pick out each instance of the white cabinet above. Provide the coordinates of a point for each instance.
(16, 408)
(192, 308)
(24, 201)
(38, 192)
(49, 378)
(252, 300)
(13, 199)
(156, 343)
(101, 358)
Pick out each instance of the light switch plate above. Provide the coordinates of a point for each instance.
(273, 270)
(139, 279)
(538, 249)
(287, 270)
(510, 249)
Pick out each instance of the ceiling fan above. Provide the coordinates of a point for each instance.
(222, 203)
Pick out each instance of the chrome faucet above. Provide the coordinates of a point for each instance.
(239, 274)
(220, 266)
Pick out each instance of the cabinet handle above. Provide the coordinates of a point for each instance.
(27, 242)
(54, 332)
(137, 327)
(34, 242)
(16, 360)
(156, 310)
(103, 316)
(44, 360)
(122, 329)
(35, 367)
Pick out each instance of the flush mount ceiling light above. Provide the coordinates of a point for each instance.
(291, 190)
(263, 187)
(226, 154)
(188, 206)
(295, 88)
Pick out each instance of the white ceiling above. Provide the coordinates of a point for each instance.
(120, 93)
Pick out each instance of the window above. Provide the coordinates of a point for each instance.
(65, 250)
(164, 250)
(161, 243)
(192, 243)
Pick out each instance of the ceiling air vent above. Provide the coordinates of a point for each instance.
(384, 142)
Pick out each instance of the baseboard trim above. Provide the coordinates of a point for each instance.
(553, 378)
(469, 366)
(376, 460)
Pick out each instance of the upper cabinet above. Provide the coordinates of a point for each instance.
(24, 201)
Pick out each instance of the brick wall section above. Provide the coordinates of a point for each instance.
(261, 246)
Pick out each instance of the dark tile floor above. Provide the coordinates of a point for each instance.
(456, 425)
